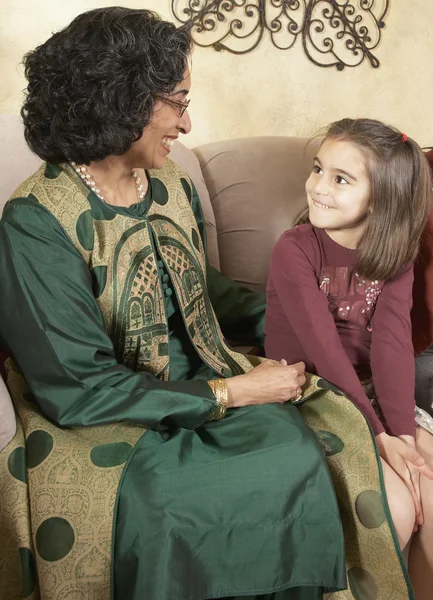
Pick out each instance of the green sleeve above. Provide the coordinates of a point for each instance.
(52, 325)
(240, 311)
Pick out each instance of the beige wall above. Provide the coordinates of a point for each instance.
(268, 91)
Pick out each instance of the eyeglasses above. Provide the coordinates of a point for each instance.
(182, 106)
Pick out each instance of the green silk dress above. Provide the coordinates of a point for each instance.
(241, 507)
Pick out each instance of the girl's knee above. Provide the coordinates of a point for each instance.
(426, 486)
(403, 516)
(400, 504)
(424, 445)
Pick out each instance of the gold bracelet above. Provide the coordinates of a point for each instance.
(219, 388)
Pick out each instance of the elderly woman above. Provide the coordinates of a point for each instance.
(112, 315)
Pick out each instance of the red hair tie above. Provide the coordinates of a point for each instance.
(404, 137)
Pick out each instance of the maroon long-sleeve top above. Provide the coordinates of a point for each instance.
(345, 327)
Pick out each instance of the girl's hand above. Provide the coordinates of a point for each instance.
(415, 478)
(270, 382)
(402, 456)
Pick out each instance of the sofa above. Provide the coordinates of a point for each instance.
(250, 189)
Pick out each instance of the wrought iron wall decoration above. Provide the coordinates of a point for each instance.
(340, 33)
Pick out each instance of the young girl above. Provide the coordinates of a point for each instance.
(339, 298)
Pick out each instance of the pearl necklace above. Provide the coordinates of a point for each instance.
(88, 180)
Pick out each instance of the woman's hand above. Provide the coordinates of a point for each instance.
(401, 455)
(269, 382)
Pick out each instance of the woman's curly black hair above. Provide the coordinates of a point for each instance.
(92, 86)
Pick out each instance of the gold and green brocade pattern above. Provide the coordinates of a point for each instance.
(181, 248)
(70, 480)
(375, 567)
(120, 252)
(58, 491)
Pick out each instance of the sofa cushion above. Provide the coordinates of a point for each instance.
(256, 187)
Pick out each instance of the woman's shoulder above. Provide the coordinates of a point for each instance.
(24, 216)
(27, 187)
(48, 185)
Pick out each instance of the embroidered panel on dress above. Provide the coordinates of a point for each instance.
(351, 297)
(181, 249)
(139, 324)
(182, 261)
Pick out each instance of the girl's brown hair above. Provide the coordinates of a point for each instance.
(400, 194)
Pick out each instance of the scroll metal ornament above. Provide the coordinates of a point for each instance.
(334, 33)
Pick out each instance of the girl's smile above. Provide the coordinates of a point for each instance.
(338, 192)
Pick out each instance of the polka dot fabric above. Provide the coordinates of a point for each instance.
(70, 478)
(375, 569)
(58, 489)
